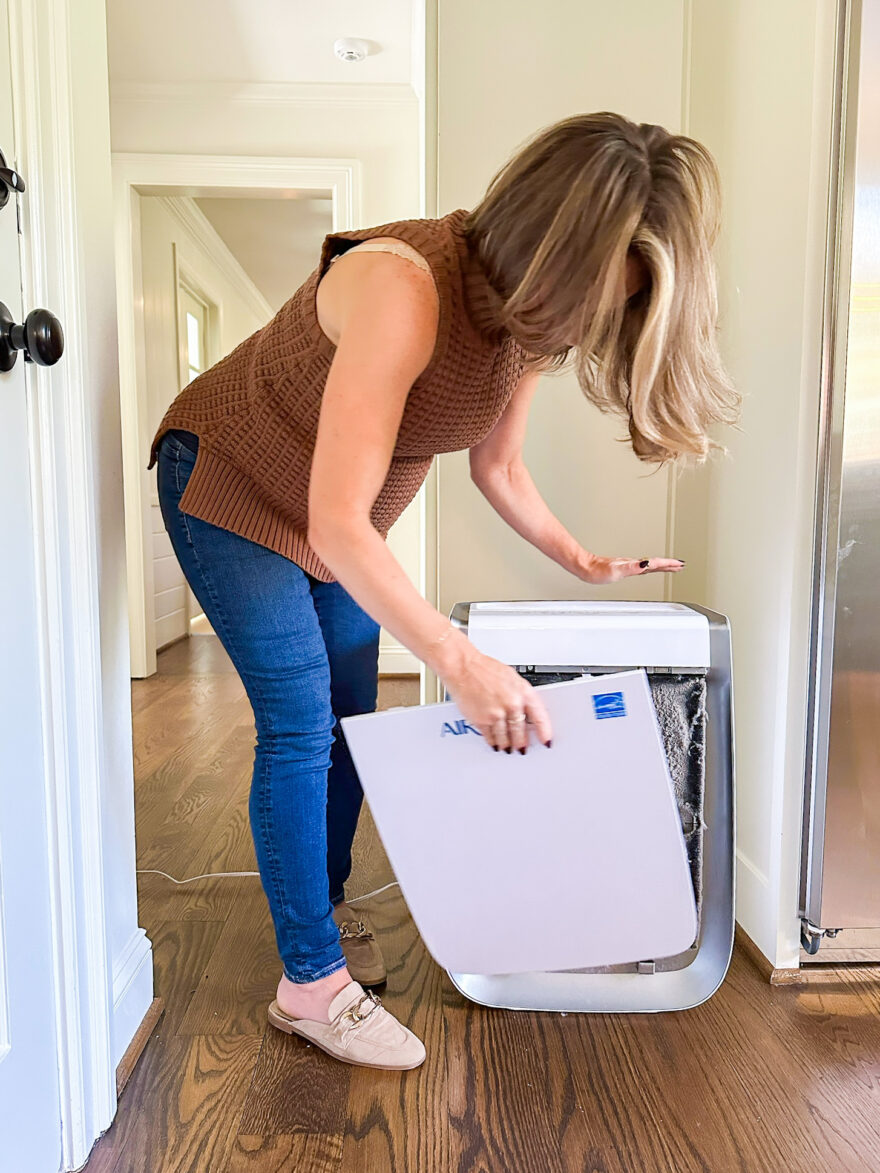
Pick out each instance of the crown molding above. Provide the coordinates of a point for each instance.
(194, 221)
(267, 93)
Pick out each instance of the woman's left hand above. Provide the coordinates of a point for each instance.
(596, 569)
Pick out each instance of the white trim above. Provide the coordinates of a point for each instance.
(133, 419)
(418, 53)
(67, 571)
(753, 895)
(268, 93)
(431, 686)
(135, 175)
(132, 990)
(194, 221)
(672, 475)
(396, 660)
(758, 875)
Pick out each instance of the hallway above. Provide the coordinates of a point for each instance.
(757, 1079)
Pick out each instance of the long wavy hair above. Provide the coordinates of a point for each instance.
(553, 234)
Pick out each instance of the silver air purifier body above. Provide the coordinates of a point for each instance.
(685, 651)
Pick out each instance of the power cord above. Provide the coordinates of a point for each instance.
(214, 875)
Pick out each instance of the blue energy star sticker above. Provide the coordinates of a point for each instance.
(608, 704)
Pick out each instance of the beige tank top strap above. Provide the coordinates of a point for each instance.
(399, 247)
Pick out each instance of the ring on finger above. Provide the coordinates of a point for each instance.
(517, 720)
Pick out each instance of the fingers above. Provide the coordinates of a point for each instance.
(499, 737)
(506, 719)
(655, 565)
(518, 730)
(511, 733)
(539, 719)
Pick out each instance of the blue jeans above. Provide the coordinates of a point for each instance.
(307, 655)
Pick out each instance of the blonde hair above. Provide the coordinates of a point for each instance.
(553, 234)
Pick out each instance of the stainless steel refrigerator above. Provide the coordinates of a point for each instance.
(840, 889)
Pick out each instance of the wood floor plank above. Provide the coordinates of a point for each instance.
(296, 1089)
(370, 866)
(395, 691)
(194, 848)
(225, 843)
(225, 738)
(159, 899)
(181, 953)
(146, 692)
(180, 710)
(615, 1110)
(242, 975)
(197, 656)
(503, 1113)
(305, 1152)
(185, 1098)
(820, 1051)
(400, 1120)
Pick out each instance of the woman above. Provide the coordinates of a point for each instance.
(282, 468)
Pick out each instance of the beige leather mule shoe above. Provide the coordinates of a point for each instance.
(362, 954)
(360, 1031)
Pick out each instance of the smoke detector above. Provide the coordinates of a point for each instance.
(350, 49)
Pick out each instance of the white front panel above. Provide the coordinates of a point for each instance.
(600, 633)
(465, 827)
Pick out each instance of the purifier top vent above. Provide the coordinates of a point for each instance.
(598, 634)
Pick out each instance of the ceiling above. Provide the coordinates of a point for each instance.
(274, 41)
(276, 241)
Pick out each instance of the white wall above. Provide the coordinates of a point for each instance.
(170, 246)
(379, 127)
(754, 82)
(760, 97)
(506, 68)
(132, 984)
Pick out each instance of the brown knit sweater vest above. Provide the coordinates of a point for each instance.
(256, 410)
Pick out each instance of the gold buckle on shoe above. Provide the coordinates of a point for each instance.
(360, 930)
(353, 1013)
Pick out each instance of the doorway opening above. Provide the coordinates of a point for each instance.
(207, 251)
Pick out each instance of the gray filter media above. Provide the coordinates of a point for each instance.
(680, 704)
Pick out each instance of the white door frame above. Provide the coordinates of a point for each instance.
(135, 175)
(47, 74)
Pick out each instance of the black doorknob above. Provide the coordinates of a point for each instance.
(10, 181)
(40, 337)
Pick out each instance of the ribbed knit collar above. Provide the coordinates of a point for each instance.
(484, 304)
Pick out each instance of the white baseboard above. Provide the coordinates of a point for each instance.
(756, 912)
(396, 660)
(132, 990)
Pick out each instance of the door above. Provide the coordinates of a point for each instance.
(30, 1129)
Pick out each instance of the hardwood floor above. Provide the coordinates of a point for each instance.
(757, 1079)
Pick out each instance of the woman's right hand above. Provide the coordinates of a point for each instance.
(495, 699)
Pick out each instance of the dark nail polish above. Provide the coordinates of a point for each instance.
(644, 562)
(549, 744)
(522, 749)
(507, 749)
(495, 747)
